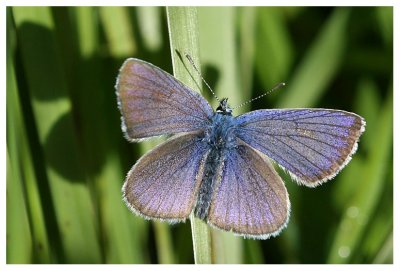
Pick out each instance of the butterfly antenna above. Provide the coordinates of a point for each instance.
(198, 72)
(266, 93)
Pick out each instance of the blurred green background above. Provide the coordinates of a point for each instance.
(67, 158)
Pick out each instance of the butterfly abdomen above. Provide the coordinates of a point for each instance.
(212, 164)
(219, 137)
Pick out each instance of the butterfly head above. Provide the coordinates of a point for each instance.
(224, 108)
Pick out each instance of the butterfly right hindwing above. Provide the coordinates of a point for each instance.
(250, 198)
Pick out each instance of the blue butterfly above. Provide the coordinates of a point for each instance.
(218, 165)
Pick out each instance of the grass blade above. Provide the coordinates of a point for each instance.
(51, 107)
(363, 203)
(319, 65)
(118, 30)
(149, 20)
(183, 33)
(121, 232)
(274, 51)
(219, 52)
(19, 241)
(22, 185)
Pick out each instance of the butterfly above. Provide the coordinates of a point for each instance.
(218, 165)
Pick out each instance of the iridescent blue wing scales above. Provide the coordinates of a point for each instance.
(312, 144)
(153, 102)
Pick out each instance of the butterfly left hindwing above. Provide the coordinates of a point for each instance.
(163, 184)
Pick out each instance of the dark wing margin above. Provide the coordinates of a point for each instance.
(152, 102)
(164, 183)
(250, 198)
(313, 145)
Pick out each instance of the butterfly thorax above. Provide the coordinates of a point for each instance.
(220, 133)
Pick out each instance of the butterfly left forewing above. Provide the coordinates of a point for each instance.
(164, 183)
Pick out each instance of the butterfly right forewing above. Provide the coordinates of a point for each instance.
(312, 144)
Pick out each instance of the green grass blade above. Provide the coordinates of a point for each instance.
(118, 30)
(51, 107)
(183, 33)
(149, 23)
(121, 232)
(19, 241)
(379, 232)
(165, 249)
(364, 201)
(384, 17)
(247, 31)
(106, 173)
(319, 65)
(21, 179)
(162, 231)
(218, 50)
(385, 255)
(274, 51)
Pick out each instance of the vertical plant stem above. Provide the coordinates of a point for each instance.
(218, 47)
(183, 34)
(27, 241)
